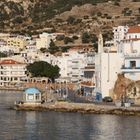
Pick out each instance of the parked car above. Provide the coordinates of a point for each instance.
(107, 99)
(131, 101)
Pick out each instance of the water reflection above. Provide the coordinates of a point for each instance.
(22, 125)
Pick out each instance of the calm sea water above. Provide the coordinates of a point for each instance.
(30, 125)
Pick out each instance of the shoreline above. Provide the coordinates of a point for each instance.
(80, 108)
(12, 88)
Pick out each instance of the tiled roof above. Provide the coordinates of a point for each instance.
(9, 61)
(134, 29)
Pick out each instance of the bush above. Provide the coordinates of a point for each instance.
(70, 20)
(60, 37)
(75, 37)
(86, 17)
(68, 40)
(116, 3)
(99, 14)
(18, 20)
(109, 17)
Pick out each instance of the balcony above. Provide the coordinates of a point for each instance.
(133, 55)
(130, 69)
(89, 68)
(87, 84)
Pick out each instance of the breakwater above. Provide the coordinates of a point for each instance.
(81, 108)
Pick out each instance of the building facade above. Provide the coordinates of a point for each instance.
(19, 42)
(11, 72)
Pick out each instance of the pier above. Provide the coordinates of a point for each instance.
(81, 108)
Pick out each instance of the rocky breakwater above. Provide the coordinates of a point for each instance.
(82, 108)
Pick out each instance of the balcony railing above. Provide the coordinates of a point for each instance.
(132, 55)
(130, 69)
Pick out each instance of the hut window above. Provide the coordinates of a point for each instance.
(37, 97)
(31, 97)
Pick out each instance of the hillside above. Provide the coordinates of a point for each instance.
(72, 16)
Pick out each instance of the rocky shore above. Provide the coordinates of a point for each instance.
(81, 108)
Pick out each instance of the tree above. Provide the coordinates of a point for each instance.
(43, 50)
(3, 55)
(94, 38)
(43, 69)
(85, 37)
(95, 45)
(53, 48)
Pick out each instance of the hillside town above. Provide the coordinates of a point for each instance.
(113, 70)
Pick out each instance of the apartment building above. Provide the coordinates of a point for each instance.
(88, 81)
(71, 64)
(129, 46)
(11, 72)
(19, 42)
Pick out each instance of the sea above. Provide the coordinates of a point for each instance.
(49, 125)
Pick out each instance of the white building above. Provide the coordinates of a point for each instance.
(119, 33)
(107, 67)
(88, 81)
(44, 39)
(11, 72)
(71, 64)
(133, 32)
(130, 48)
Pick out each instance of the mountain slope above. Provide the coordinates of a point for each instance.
(35, 15)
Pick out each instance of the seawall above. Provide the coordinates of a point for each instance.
(82, 108)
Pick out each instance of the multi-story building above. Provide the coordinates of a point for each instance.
(129, 46)
(119, 33)
(4, 36)
(11, 72)
(88, 80)
(133, 32)
(71, 64)
(44, 39)
(19, 42)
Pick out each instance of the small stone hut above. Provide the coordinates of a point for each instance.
(32, 95)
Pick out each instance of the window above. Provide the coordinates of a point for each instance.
(15, 78)
(133, 64)
(37, 97)
(31, 97)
